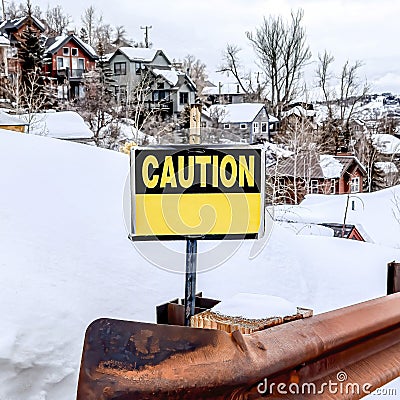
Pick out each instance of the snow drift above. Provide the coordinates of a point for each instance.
(66, 260)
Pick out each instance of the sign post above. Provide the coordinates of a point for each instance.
(191, 192)
(190, 279)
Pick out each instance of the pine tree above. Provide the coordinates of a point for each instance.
(31, 56)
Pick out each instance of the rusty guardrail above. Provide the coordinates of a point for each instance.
(130, 360)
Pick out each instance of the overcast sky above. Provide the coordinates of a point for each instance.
(350, 29)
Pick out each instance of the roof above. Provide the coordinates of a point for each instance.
(236, 113)
(55, 43)
(347, 161)
(14, 24)
(7, 120)
(171, 75)
(4, 41)
(305, 165)
(140, 54)
(311, 167)
(223, 88)
(339, 229)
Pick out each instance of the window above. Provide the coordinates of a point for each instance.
(227, 126)
(256, 127)
(243, 126)
(60, 62)
(120, 68)
(138, 68)
(183, 98)
(74, 52)
(314, 186)
(81, 63)
(333, 186)
(159, 95)
(65, 51)
(160, 85)
(355, 185)
(264, 127)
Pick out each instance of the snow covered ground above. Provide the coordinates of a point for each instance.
(66, 260)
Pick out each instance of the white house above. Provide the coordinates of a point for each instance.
(250, 119)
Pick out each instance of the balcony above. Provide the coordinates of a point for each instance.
(70, 73)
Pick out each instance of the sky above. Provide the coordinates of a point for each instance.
(351, 30)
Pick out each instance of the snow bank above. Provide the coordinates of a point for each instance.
(373, 211)
(66, 260)
(60, 125)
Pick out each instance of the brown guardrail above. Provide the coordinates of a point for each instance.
(345, 353)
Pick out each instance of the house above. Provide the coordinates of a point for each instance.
(224, 93)
(12, 123)
(248, 120)
(70, 59)
(293, 177)
(13, 31)
(4, 46)
(346, 231)
(170, 90)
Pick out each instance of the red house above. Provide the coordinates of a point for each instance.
(13, 30)
(70, 59)
(294, 177)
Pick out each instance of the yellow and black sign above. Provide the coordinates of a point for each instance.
(203, 191)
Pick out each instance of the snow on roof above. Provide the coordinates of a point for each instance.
(6, 120)
(62, 230)
(59, 125)
(139, 54)
(4, 41)
(299, 111)
(386, 144)
(235, 113)
(271, 118)
(331, 167)
(171, 75)
(59, 40)
(223, 88)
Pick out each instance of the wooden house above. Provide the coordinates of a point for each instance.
(13, 30)
(70, 58)
(294, 177)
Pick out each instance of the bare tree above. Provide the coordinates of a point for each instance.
(57, 21)
(336, 133)
(120, 38)
(89, 21)
(282, 51)
(196, 70)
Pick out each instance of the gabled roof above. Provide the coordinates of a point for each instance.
(312, 167)
(174, 77)
(229, 88)
(4, 42)
(305, 165)
(237, 113)
(55, 43)
(141, 54)
(14, 24)
(347, 161)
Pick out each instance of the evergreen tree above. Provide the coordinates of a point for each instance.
(32, 93)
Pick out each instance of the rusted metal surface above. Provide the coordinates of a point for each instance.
(130, 360)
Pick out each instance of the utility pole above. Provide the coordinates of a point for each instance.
(4, 10)
(146, 34)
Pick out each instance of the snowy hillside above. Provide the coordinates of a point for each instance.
(66, 260)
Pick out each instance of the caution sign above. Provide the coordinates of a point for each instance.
(209, 192)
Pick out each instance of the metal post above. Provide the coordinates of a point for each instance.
(190, 285)
(393, 278)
